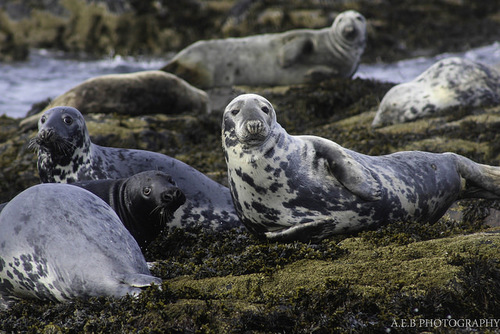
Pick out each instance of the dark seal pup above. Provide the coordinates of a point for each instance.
(307, 188)
(67, 155)
(144, 202)
(59, 242)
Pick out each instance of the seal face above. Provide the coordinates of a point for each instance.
(307, 188)
(292, 57)
(67, 155)
(144, 202)
(449, 82)
(51, 234)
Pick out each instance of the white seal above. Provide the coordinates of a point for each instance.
(292, 57)
(448, 83)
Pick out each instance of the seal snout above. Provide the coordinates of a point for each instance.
(173, 196)
(47, 135)
(254, 126)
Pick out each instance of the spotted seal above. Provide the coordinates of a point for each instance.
(144, 202)
(448, 83)
(59, 242)
(307, 188)
(66, 154)
(291, 57)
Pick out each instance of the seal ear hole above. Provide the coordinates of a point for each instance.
(235, 112)
(265, 110)
(146, 191)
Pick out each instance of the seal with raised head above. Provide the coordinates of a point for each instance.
(292, 57)
(59, 242)
(144, 202)
(448, 83)
(307, 188)
(66, 154)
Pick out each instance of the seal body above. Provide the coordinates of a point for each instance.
(139, 93)
(144, 202)
(59, 242)
(448, 83)
(67, 155)
(308, 188)
(292, 57)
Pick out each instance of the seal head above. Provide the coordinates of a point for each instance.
(145, 202)
(62, 143)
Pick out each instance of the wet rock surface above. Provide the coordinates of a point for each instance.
(222, 282)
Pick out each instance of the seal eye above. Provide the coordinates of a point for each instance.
(235, 112)
(43, 119)
(68, 120)
(265, 110)
(146, 191)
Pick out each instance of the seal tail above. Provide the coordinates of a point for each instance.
(478, 180)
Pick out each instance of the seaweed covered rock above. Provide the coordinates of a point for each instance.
(231, 280)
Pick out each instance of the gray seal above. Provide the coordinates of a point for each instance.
(450, 82)
(292, 57)
(308, 188)
(144, 202)
(60, 242)
(67, 155)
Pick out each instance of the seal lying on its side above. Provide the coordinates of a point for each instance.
(144, 202)
(66, 154)
(59, 242)
(292, 57)
(448, 83)
(307, 188)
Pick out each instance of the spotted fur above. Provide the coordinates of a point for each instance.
(292, 57)
(66, 155)
(448, 83)
(308, 188)
(59, 242)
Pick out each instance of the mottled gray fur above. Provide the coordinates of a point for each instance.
(66, 154)
(307, 188)
(59, 242)
(448, 83)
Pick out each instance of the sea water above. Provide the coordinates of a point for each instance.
(48, 74)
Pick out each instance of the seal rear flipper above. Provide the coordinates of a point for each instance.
(481, 181)
(353, 175)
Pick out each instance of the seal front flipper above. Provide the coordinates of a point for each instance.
(140, 280)
(353, 175)
(293, 50)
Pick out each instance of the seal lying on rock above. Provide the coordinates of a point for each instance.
(144, 202)
(59, 242)
(140, 93)
(307, 188)
(66, 154)
(448, 83)
(292, 57)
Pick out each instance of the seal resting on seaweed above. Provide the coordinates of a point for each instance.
(448, 83)
(67, 155)
(292, 57)
(308, 188)
(59, 242)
